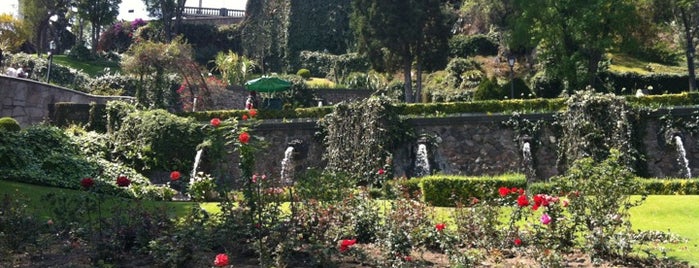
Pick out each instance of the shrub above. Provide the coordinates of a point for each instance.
(157, 140)
(9, 124)
(543, 85)
(489, 90)
(470, 45)
(113, 84)
(80, 52)
(445, 191)
(305, 73)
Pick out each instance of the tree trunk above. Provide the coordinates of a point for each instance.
(689, 49)
(418, 81)
(95, 37)
(407, 67)
(593, 65)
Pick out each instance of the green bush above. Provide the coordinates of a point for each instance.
(472, 45)
(489, 89)
(660, 83)
(546, 86)
(670, 186)
(9, 124)
(80, 52)
(446, 191)
(305, 73)
(157, 140)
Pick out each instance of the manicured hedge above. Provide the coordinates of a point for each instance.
(489, 106)
(648, 186)
(444, 191)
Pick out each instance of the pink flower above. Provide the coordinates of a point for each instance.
(440, 226)
(408, 258)
(545, 219)
(346, 243)
(175, 175)
(215, 122)
(221, 260)
(565, 203)
(381, 171)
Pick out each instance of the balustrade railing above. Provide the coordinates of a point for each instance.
(213, 12)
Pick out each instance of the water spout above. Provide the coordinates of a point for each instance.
(422, 163)
(682, 157)
(197, 159)
(287, 173)
(528, 161)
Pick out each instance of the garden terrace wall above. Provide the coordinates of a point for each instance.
(30, 102)
(477, 144)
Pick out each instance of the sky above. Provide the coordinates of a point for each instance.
(139, 10)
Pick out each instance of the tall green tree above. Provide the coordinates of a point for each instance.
(264, 33)
(166, 10)
(37, 14)
(572, 36)
(99, 13)
(687, 12)
(392, 33)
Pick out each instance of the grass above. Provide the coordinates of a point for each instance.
(623, 63)
(92, 68)
(678, 214)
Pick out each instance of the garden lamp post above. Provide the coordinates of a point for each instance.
(52, 48)
(511, 62)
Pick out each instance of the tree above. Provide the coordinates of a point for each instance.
(393, 33)
(37, 14)
(572, 36)
(687, 12)
(264, 32)
(166, 10)
(99, 13)
(12, 33)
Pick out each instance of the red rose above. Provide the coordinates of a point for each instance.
(522, 201)
(346, 243)
(123, 181)
(215, 122)
(381, 171)
(252, 113)
(244, 137)
(440, 226)
(221, 260)
(245, 117)
(518, 241)
(504, 191)
(175, 175)
(408, 258)
(87, 183)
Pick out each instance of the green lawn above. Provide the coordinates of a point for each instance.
(678, 214)
(92, 68)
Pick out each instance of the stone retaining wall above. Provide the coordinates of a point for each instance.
(30, 102)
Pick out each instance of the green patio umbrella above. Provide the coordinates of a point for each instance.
(267, 84)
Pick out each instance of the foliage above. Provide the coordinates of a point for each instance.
(12, 33)
(359, 138)
(545, 85)
(60, 75)
(9, 124)
(80, 52)
(119, 36)
(627, 83)
(571, 43)
(152, 62)
(600, 208)
(322, 186)
(305, 73)
(116, 113)
(145, 139)
(113, 84)
(465, 46)
(446, 191)
(19, 228)
(234, 69)
(308, 26)
(202, 188)
(264, 33)
(183, 244)
(402, 231)
(371, 81)
(489, 89)
(99, 14)
(592, 125)
(332, 66)
(394, 34)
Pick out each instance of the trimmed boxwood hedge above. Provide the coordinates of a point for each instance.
(445, 191)
(649, 186)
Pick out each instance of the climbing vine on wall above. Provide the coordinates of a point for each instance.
(593, 124)
(359, 138)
